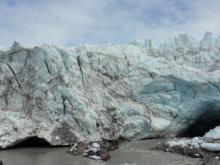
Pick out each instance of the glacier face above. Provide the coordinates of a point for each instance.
(91, 93)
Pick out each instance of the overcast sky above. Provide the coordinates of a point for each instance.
(71, 22)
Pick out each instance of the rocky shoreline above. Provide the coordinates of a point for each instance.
(206, 150)
(207, 147)
(128, 153)
(94, 150)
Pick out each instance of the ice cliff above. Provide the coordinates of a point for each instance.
(88, 93)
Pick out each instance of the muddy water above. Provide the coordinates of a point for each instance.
(133, 153)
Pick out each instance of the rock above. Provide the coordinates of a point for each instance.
(81, 147)
(110, 145)
(57, 138)
(93, 151)
(94, 157)
(78, 149)
(94, 93)
(104, 155)
(114, 145)
(95, 145)
(73, 147)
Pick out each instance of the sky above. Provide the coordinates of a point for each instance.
(74, 22)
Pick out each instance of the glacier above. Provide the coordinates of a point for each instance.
(94, 92)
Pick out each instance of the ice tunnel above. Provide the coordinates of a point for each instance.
(33, 141)
(208, 119)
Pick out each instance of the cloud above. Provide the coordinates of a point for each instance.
(71, 22)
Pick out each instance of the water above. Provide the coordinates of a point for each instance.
(133, 153)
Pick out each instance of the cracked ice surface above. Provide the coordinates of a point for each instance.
(90, 92)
